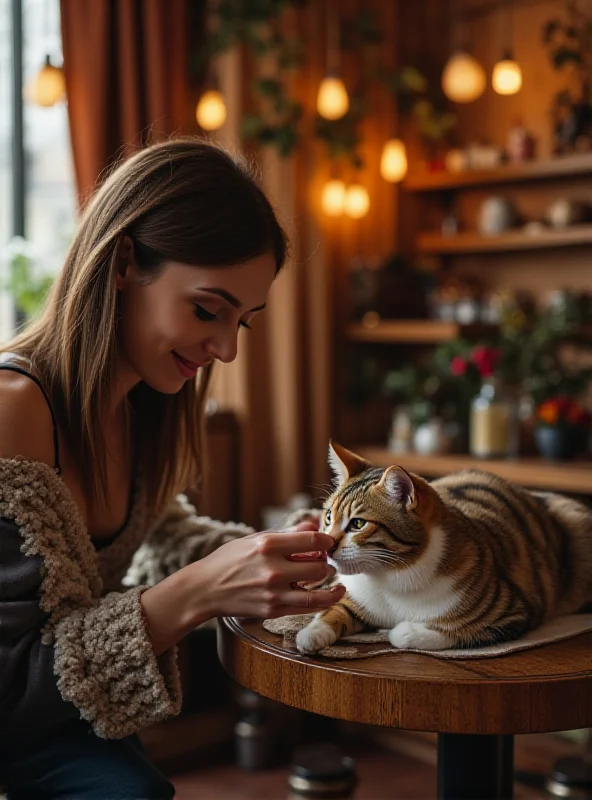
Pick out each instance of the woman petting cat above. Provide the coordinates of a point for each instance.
(101, 411)
(466, 561)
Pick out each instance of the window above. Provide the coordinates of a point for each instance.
(5, 159)
(49, 186)
(50, 199)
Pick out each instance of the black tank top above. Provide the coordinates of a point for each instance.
(24, 366)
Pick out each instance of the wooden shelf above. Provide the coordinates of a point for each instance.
(414, 331)
(569, 476)
(436, 243)
(579, 164)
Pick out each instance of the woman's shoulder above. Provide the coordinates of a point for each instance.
(26, 425)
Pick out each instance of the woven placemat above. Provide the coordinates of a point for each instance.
(553, 631)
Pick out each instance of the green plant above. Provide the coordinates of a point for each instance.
(569, 41)
(569, 45)
(25, 281)
(433, 125)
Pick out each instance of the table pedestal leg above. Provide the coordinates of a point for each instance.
(472, 767)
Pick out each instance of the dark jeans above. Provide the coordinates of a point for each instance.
(74, 764)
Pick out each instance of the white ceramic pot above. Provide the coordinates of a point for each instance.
(430, 438)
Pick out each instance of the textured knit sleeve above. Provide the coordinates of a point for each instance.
(96, 662)
(29, 696)
(179, 537)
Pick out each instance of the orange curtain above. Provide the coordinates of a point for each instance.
(127, 77)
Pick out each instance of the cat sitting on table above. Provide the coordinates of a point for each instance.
(464, 561)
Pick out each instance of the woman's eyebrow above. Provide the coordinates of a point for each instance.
(230, 298)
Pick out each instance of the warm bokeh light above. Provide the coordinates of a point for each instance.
(463, 79)
(333, 198)
(393, 163)
(357, 201)
(211, 111)
(47, 87)
(332, 99)
(507, 77)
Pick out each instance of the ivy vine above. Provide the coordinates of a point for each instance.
(275, 120)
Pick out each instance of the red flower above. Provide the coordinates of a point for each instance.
(458, 366)
(486, 360)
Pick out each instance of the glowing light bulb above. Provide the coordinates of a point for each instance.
(211, 111)
(333, 198)
(393, 163)
(507, 76)
(332, 99)
(357, 201)
(463, 79)
(47, 87)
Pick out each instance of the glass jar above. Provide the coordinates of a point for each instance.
(494, 422)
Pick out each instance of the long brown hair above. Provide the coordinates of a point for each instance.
(183, 200)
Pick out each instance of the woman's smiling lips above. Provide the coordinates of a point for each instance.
(188, 369)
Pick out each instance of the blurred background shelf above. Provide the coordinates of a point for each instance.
(415, 331)
(570, 476)
(579, 164)
(437, 244)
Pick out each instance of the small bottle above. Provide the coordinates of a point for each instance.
(493, 423)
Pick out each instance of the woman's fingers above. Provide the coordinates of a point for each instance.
(306, 571)
(300, 601)
(291, 542)
(307, 525)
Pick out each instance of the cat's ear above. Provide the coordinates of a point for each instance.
(398, 485)
(344, 463)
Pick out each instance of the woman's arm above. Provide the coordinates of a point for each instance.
(254, 576)
(178, 538)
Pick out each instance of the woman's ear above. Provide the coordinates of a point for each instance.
(125, 260)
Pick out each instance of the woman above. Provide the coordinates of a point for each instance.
(101, 409)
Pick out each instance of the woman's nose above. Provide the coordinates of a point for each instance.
(224, 347)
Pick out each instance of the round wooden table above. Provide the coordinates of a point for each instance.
(475, 705)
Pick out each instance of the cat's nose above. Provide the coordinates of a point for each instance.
(333, 548)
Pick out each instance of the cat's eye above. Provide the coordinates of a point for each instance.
(327, 518)
(356, 524)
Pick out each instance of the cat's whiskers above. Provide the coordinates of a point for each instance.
(382, 560)
(325, 488)
(351, 560)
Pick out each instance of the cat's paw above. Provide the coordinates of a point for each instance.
(314, 637)
(415, 636)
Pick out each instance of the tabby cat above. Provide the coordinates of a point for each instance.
(465, 561)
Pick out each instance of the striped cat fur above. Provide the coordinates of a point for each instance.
(464, 561)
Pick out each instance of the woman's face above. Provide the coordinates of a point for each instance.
(186, 318)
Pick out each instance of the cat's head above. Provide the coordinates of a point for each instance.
(380, 518)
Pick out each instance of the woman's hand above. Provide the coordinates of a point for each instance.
(257, 575)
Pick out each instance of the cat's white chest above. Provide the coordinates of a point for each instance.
(386, 605)
(416, 594)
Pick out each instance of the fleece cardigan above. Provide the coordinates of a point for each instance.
(73, 639)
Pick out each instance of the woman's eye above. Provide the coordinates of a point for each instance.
(246, 325)
(356, 524)
(203, 313)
